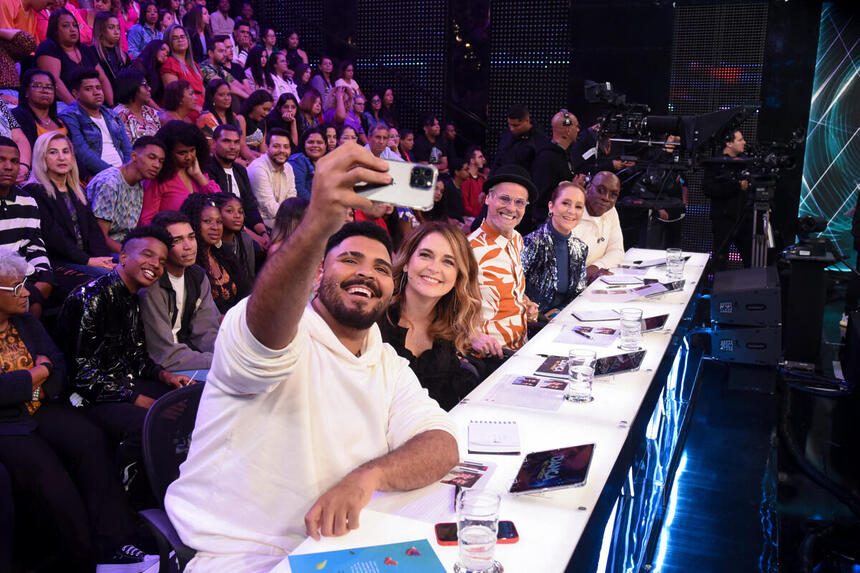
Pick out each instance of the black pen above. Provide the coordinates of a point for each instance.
(456, 493)
(582, 334)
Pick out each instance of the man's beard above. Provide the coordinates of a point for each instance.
(359, 319)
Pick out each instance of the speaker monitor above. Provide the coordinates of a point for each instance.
(747, 345)
(748, 297)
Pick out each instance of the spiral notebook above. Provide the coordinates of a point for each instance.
(494, 437)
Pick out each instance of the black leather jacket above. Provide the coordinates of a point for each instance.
(103, 334)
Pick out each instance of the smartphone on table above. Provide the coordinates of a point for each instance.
(446, 533)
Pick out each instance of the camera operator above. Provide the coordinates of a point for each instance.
(593, 152)
(667, 224)
(731, 219)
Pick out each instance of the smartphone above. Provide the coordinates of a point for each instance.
(412, 186)
(446, 533)
(654, 322)
(618, 363)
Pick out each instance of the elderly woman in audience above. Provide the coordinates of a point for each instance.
(289, 215)
(256, 75)
(218, 110)
(181, 174)
(106, 36)
(37, 109)
(310, 107)
(69, 229)
(133, 94)
(147, 29)
(229, 282)
(63, 55)
(180, 65)
(435, 310)
(64, 481)
(553, 259)
(234, 239)
(254, 110)
(346, 77)
(339, 111)
(180, 103)
(284, 115)
(196, 22)
(149, 63)
(304, 162)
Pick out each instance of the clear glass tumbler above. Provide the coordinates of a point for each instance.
(674, 264)
(477, 527)
(631, 328)
(580, 366)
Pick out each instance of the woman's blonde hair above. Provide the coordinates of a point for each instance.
(39, 174)
(331, 98)
(457, 315)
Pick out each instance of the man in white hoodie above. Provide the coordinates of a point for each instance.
(306, 413)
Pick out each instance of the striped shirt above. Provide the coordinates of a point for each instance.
(20, 230)
(503, 285)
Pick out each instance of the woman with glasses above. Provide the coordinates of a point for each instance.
(133, 95)
(37, 109)
(181, 66)
(553, 259)
(269, 41)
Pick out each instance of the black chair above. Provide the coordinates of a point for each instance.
(166, 439)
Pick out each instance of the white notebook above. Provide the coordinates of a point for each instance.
(494, 437)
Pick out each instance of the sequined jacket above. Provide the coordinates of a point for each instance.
(541, 267)
(101, 328)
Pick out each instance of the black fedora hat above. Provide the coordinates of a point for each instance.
(511, 173)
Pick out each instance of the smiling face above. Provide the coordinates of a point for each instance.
(355, 285)
(221, 98)
(183, 249)
(432, 269)
(279, 149)
(506, 205)
(315, 146)
(141, 262)
(567, 209)
(59, 156)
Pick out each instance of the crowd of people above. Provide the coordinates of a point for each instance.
(158, 165)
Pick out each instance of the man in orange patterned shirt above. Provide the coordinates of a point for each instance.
(498, 248)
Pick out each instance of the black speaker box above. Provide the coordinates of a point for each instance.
(749, 297)
(747, 345)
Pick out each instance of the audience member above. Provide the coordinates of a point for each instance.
(147, 29)
(229, 282)
(9, 128)
(284, 116)
(552, 163)
(218, 110)
(429, 148)
(128, 13)
(20, 227)
(519, 144)
(132, 95)
(272, 178)
(473, 187)
(600, 228)
(247, 13)
(269, 41)
(15, 47)
(339, 111)
(282, 76)
(256, 75)
(322, 80)
(180, 65)
(180, 318)
(498, 249)
(378, 144)
(407, 144)
(233, 239)
(72, 236)
(181, 175)
(235, 70)
(65, 57)
(400, 438)
(104, 339)
(358, 106)
(388, 113)
(394, 142)
(295, 55)
(232, 178)
(290, 214)
(149, 63)
(553, 259)
(196, 23)
(336, 136)
(166, 19)
(449, 139)
(215, 67)
(116, 194)
(452, 194)
(106, 44)
(36, 113)
(346, 77)
(66, 490)
(374, 114)
(302, 78)
(242, 38)
(180, 103)
(311, 110)
(304, 162)
(220, 20)
(21, 15)
(436, 310)
(254, 110)
(96, 131)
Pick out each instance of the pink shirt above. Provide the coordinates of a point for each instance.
(168, 196)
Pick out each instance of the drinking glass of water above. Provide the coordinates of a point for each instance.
(477, 527)
(631, 328)
(674, 264)
(580, 366)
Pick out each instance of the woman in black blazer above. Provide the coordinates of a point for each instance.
(73, 238)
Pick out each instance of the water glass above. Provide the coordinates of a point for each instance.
(674, 264)
(631, 328)
(580, 366)
(477, 527)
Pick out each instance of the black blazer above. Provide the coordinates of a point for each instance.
(27, 121)
(249, 202)
(16, 387)
(58, 233)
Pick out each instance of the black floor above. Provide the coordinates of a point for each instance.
(741, 500)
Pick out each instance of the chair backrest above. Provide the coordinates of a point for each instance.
(167, 435)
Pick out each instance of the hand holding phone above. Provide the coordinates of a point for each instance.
(413, 185)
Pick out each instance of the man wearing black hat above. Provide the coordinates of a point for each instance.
(498, 248)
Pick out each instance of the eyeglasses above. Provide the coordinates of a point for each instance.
(506, 200)
(15, 290)
(43, 87)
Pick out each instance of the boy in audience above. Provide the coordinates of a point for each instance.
(179, 316)
(101, 328)
(96, 131)
(116, 194)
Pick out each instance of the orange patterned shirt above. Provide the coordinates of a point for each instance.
(502, 283)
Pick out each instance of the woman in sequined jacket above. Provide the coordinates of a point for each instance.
(553, 259)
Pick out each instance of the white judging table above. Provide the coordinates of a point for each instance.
(549, 524)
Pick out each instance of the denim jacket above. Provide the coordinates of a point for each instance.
(87, 138)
